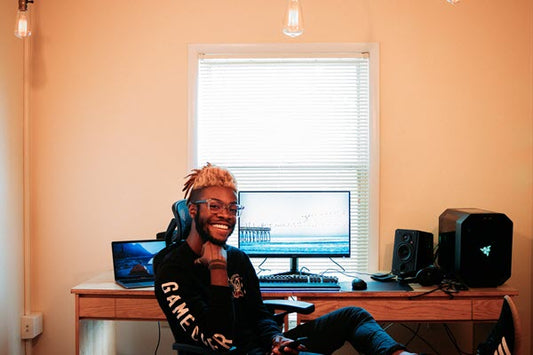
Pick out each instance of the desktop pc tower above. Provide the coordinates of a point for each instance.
(475, 246)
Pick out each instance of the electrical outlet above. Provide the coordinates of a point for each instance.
(31, 325)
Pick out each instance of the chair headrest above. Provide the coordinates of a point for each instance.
(183, 219)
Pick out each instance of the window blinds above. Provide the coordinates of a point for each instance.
(290, 124)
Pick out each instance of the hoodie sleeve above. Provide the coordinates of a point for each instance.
(197, 312)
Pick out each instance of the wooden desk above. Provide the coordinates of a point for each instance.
(101, 299)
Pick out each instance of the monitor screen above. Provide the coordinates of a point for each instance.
(295, 223)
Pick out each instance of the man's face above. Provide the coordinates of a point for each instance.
(215, 227)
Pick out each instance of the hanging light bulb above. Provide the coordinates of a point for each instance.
(23, 23)
(453, 2)
(293, 24)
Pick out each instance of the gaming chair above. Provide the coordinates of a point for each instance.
(178, 229)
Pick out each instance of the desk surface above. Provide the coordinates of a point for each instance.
(101, 298)
(103, 284)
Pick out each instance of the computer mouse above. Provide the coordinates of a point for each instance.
(358, 284)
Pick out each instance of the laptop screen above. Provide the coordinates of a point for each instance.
(133, 259)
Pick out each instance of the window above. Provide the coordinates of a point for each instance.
(296, 117)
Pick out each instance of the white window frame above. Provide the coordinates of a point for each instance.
(195, 51)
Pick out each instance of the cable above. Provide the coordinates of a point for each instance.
(261, 264)
(449, 287)
(303, 269)
(421, 338)
(342, 270)
(454, 340)
(414, 335)
(424, 294)
(158, 337)
(435, 253)
(385, 327)
(339, 265)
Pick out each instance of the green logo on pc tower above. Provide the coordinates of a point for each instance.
(486, 250)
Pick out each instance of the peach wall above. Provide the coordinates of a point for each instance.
(11, 180)
(109, 123)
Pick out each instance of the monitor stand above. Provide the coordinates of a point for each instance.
(294, 269)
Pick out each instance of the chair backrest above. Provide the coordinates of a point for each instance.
(183, 219)
(178, 229)
(179, 226)
(510, 307)
(506, 335)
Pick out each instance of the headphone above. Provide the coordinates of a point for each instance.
(428, 276)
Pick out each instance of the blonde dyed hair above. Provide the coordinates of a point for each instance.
(208, 176)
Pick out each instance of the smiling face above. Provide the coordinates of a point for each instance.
(214, 227)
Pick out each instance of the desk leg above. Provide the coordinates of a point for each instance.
(96, 337)
(77, 324)
(93, 336)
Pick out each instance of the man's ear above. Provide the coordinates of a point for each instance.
(193, 209)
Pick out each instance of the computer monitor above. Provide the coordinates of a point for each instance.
(295, 224)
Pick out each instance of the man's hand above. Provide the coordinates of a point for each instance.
(280, 346)
(212, 254)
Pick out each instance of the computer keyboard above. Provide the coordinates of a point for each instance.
(299, 282)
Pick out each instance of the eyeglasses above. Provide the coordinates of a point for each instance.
(216, 206)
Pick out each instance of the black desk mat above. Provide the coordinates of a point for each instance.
(387, 286)
(377, 286)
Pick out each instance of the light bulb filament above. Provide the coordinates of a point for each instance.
(293, 18)
(293, 24)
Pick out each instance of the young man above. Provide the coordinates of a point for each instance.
(210, 294)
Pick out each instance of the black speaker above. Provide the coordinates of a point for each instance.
(413, 251)
(475, 246)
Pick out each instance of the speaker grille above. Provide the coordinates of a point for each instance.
(413, 250)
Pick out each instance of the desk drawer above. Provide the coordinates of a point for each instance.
(101, 307)
(398, 310)
(96, 307)
(486, 309)
(141, 308)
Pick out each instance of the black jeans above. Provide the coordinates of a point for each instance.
(353, 324)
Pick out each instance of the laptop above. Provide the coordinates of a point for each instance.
(133, 261)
